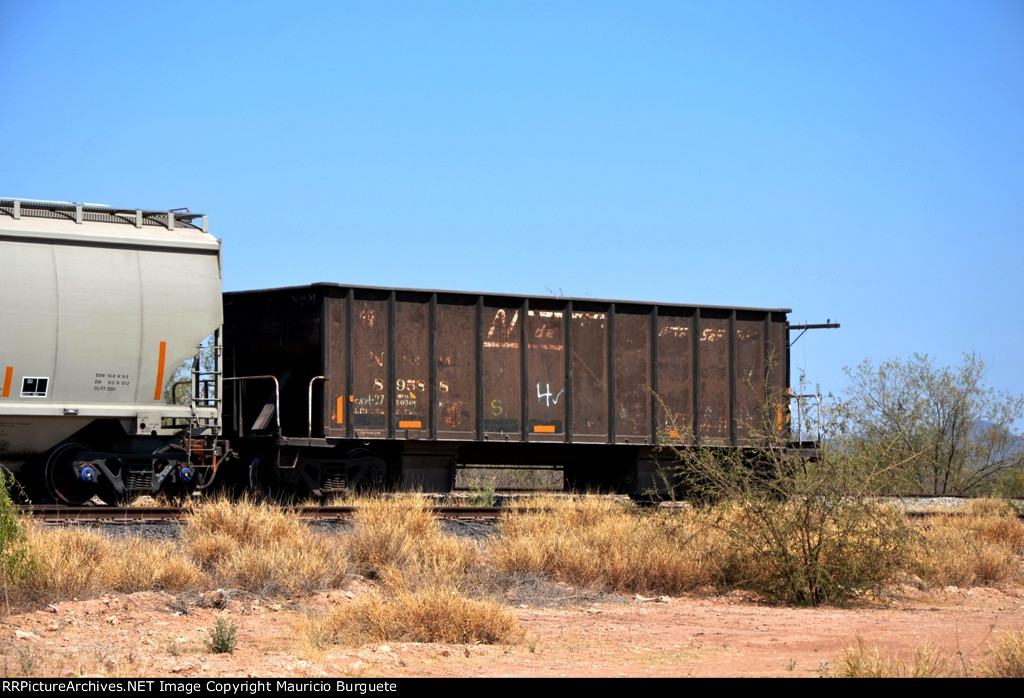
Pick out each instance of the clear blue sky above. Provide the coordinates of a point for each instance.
(860, 161)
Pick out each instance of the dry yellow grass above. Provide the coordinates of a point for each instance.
(599, 541)
(591, 542)
(792, 551)
(1003, 529)
(433, 614)
(142, 565)
(868, 662)
(262, 549)
(284, 570)
(389, 531)
(1005, 658)
(76, 562)
(399, 541)
(995, 521)
(240, 523)
(968, 550)
(72, 561)
(987, 506)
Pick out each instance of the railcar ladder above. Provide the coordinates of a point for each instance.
(207, 382)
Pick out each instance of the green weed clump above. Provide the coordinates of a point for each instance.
(16, 559)
(223, 637)
(482, 493)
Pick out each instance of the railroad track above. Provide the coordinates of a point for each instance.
(57, 514)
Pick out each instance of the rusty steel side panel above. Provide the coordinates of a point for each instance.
(546, 396)
(750, 376)
(632, 389)
(502, 370)
(469, 367)
(457, 359)
(370, 359)
(674, 400)
(412, 381)
(338, 415)
(777, 353)
(589, 373)
(715, 388)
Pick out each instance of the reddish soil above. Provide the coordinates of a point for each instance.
(152, 634)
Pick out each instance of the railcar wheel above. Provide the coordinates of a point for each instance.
(263, 481)
(61, 480)
(178, 489)
(365, 471)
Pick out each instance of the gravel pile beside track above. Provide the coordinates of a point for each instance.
(465, 528)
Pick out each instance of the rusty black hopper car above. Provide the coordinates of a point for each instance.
(330, 387)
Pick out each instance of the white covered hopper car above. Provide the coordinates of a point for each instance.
(100, 306)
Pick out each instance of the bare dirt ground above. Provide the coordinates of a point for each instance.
(156, 634)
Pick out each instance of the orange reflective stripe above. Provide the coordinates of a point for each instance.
(160, 371)
(8, 375)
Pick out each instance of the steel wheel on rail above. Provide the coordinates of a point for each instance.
(179, 487)
(366, 472)
(263, 481)
(63, 483)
